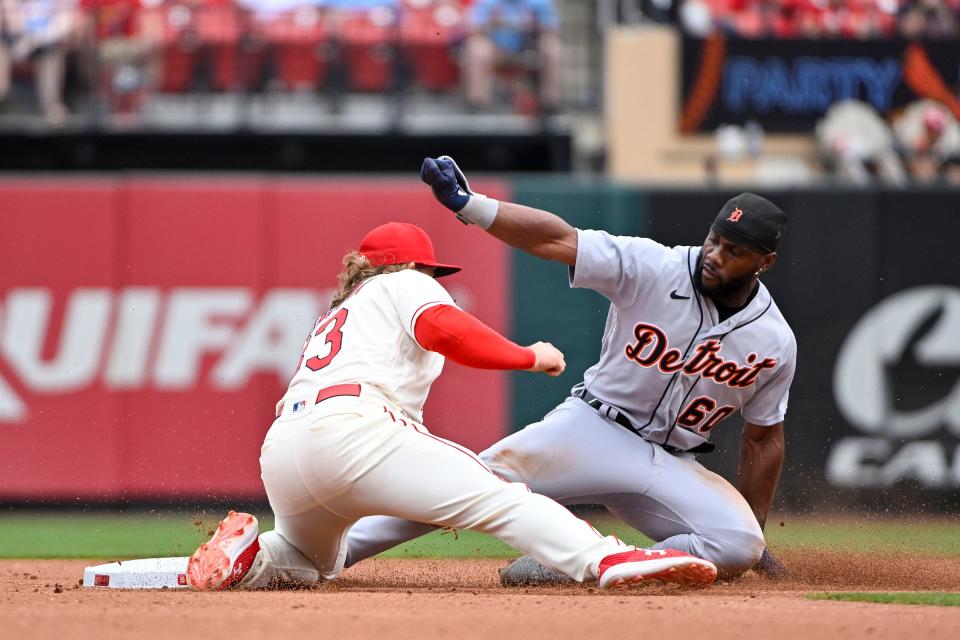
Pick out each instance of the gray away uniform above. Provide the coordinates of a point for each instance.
(669, 371)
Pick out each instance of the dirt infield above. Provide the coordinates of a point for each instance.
(460, 599)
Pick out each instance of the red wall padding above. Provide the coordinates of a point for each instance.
(148, 325)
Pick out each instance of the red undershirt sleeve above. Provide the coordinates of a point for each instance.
(461, 337)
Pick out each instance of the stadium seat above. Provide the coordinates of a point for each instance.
(368, 40)
(298, 41)
(222, 29)
(180, 46)
(429, 31)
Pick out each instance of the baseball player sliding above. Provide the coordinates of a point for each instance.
(691, 337)
(348, 440)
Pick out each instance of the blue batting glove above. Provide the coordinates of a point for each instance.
(453, 191)
(449, 185)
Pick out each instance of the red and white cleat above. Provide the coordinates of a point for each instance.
(222, 562)
(644, 565)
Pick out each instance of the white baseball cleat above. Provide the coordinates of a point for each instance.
(226, 559)
(663, 565)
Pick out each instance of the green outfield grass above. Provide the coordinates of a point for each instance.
(142, 535)
(103, 535)
(931, 537)
(938, 538)
(938, 599)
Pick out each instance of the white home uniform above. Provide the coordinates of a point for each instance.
(349, 442)
(669, 371)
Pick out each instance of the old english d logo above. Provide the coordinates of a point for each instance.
(735, 215)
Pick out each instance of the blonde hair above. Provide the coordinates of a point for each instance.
(356, 269)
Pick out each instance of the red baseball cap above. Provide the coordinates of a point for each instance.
(399, 243)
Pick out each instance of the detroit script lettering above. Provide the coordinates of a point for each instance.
(652, 348)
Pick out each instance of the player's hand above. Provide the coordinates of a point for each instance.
(770, 567)
(549, 359)
(450, 186)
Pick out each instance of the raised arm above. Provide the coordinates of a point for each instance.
(537, 232)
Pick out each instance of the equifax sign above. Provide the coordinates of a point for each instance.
(151, 338)
(148, 325)
(147, 337)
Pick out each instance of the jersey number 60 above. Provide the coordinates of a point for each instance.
(700, 416)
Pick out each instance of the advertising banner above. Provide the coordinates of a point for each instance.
(149, 325)
(895, 375)
(787, 85)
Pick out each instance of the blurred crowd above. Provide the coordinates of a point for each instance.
(921, 144)
(860, 19)
(918, 144)
(484, 55)
(126, 50)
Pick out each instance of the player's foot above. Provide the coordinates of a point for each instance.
(663, 565)
(227, 558)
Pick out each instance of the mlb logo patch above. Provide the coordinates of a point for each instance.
(100, 580)
(299, 406)
(182, 579)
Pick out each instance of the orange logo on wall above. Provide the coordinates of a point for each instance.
(923, 78)
(707, 83)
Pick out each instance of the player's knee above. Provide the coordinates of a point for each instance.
(502, 463)
(491, 508)
(514, 494)
(736, 552)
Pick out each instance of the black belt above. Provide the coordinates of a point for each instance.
(617, 416)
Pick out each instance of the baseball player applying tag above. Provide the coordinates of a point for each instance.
(349, 441)
(691, 337)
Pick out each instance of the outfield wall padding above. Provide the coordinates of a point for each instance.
(148, 325)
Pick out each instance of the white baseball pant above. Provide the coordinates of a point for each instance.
(577, 456)
(350, 457)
